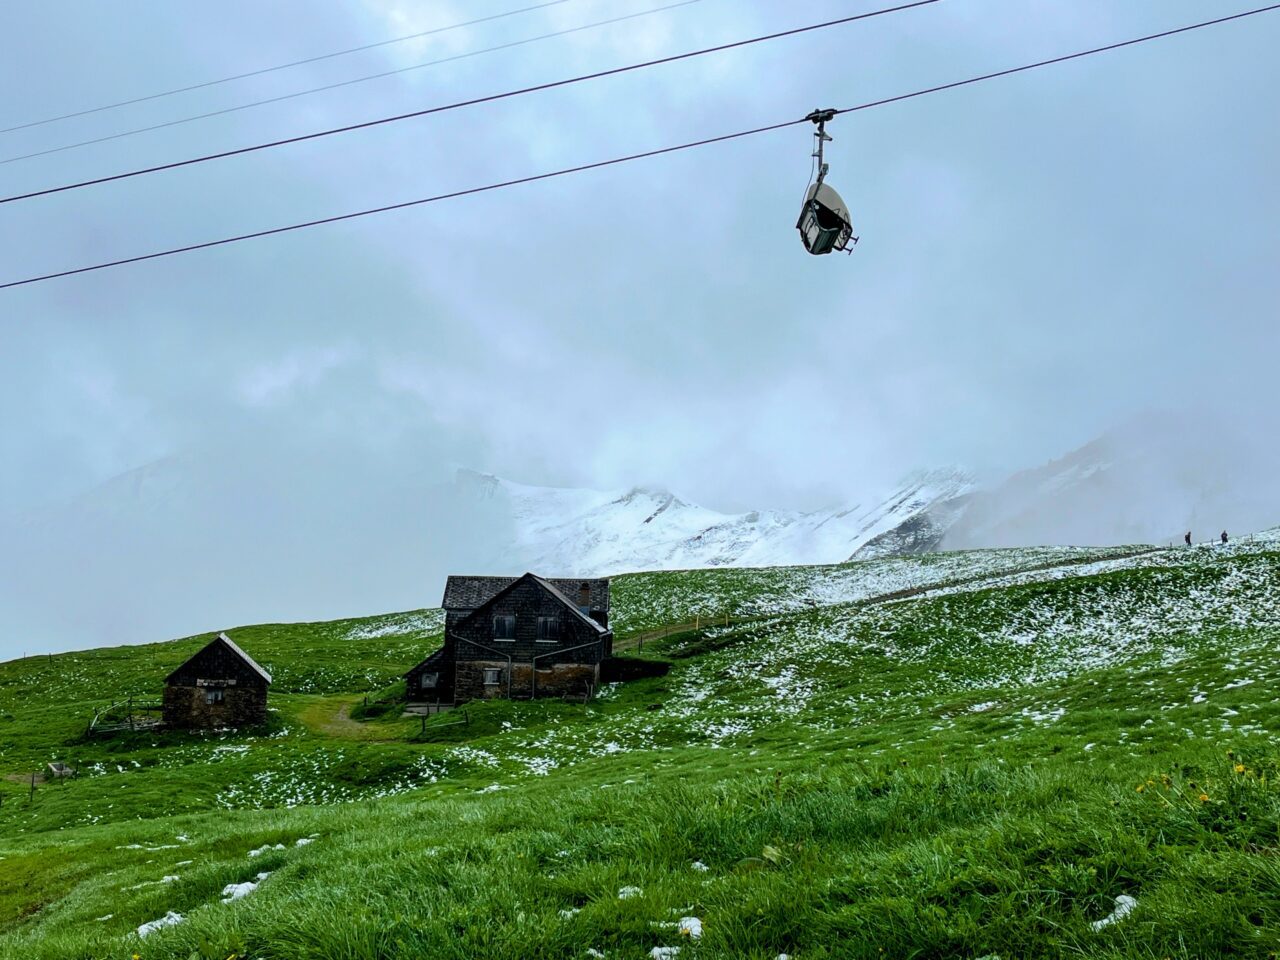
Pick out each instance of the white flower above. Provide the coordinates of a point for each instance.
(690, 927)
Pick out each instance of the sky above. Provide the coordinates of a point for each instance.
(1042, 257)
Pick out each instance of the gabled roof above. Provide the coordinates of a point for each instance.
(573, 607)
(550, 588)
(230, 644)
(468, 593)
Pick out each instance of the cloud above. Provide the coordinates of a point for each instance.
(1042, 256)
(280, 380)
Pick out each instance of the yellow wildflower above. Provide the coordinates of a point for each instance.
(1204, 798)
(1141, 787)
(1239, 768)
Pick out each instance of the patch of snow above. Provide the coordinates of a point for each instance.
(626, 893)
(234, 891)
(1124, 906)
(170, 919)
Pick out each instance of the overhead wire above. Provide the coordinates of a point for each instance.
(283, 66)
(1063, 59)
(107, 138)
(624, 159)
(490, 98)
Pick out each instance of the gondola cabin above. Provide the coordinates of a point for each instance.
(824, 222)
(221, 686)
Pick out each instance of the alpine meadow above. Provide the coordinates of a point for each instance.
(1013, 753)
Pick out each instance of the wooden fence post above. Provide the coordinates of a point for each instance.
(32, 795)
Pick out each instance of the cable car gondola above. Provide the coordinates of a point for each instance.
(824, 222)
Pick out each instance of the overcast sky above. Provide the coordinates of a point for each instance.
(1042, 256)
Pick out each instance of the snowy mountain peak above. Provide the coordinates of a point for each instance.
(581, 532)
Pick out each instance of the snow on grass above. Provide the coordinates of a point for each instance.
(644, 601)
(170, 919)
(419, 624)
(235, 891)
(1124, 906)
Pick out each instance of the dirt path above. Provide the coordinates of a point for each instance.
(331, 716)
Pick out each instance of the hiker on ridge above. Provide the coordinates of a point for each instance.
(1188, 538)
(1224, 536)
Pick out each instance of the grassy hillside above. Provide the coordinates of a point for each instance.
(961, 755)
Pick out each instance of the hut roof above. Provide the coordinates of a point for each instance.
(468, 593)
(231, 645)
(550, 587)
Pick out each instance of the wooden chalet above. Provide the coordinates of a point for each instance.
(517, 637)
(221, 686)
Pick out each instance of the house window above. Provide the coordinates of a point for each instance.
(213, 694)
(504, 627)
(429, 680)
(548, 629)
(584, 599)
(492, 676)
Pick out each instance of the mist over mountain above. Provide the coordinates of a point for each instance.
(581, 532)
(199, 542)
(1147, 481)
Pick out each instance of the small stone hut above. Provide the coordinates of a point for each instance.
(517, 637)
(221, 686)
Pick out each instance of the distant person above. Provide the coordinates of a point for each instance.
(1187, 538)
(1224, 536)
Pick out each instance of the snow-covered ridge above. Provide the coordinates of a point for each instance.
(578, 532)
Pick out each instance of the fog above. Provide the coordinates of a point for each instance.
(265, 431)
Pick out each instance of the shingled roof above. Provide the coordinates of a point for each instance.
(231, 645)
(550, 587)
(468, 593)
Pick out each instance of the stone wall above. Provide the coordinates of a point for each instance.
(570, 679)
(240, 707)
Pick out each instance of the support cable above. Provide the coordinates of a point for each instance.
(343, 83)
(618, 160)
(281, 66)
(536, 88)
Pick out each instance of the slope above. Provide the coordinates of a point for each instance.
(980, 768)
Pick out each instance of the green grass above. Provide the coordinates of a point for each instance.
(977, 771)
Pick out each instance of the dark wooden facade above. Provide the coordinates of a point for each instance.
(517, 637)
(221, 686)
